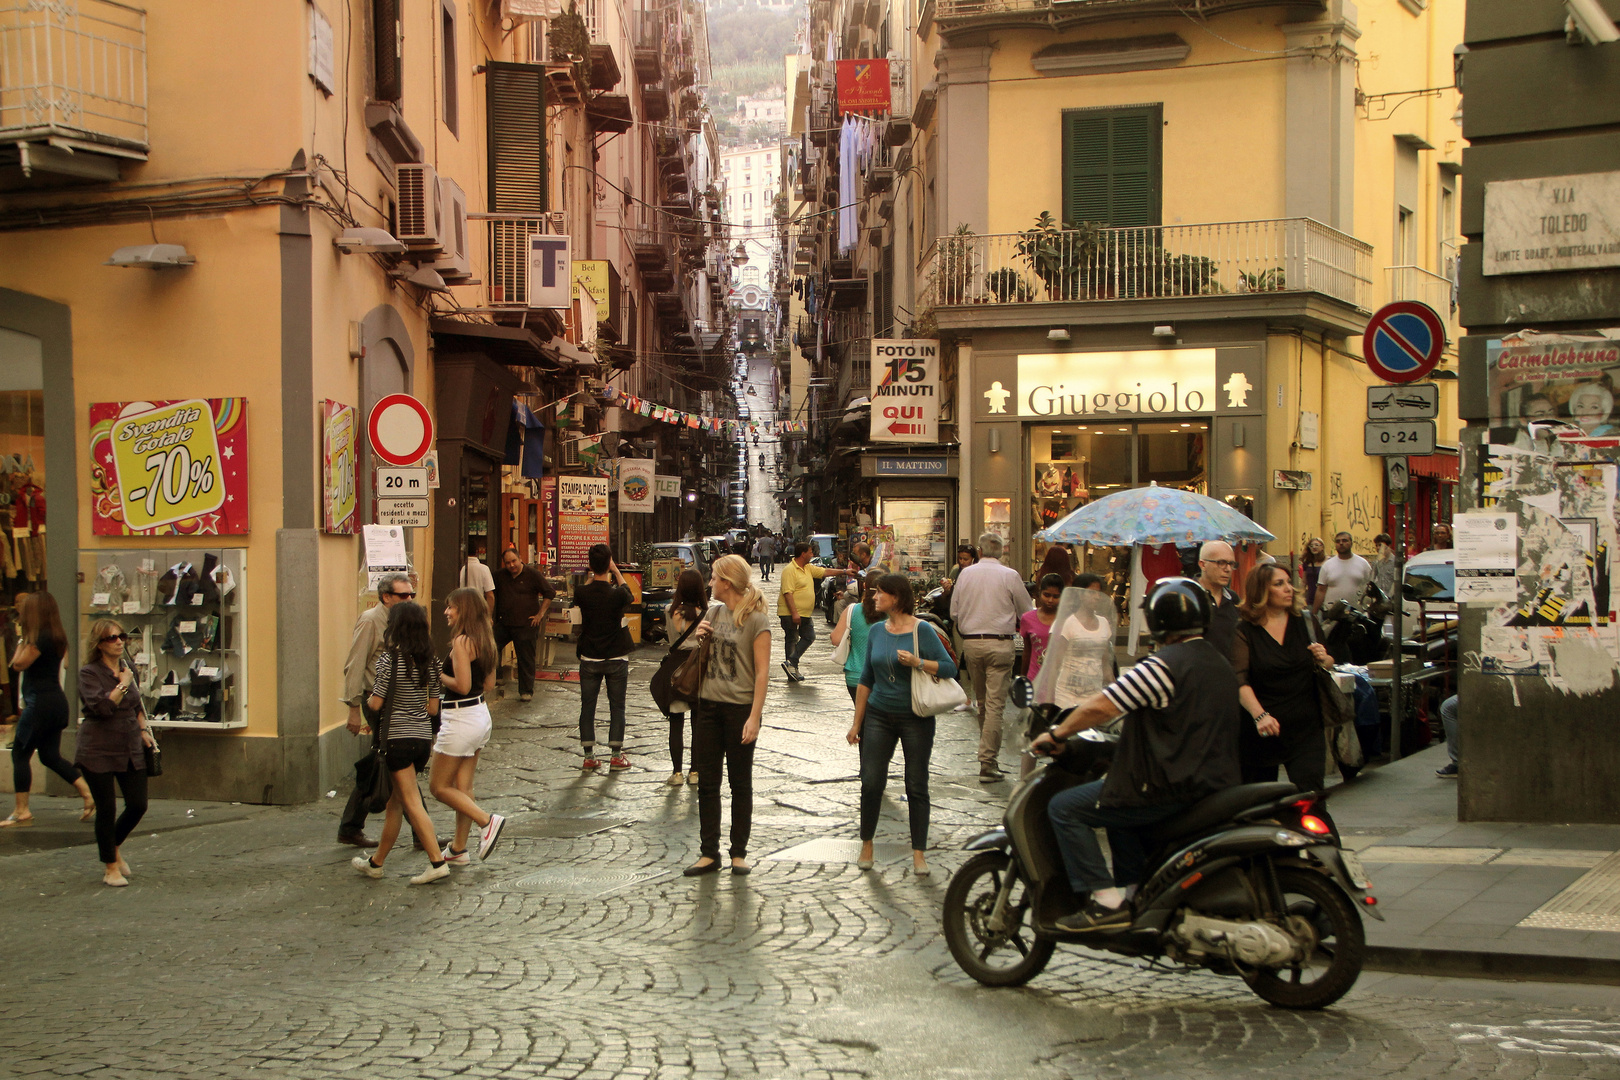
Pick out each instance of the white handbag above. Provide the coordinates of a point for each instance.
(930, 694)
(841, 650)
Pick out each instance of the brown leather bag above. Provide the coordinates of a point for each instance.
(687, 678)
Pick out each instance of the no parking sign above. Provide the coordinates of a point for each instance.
(1403, 341)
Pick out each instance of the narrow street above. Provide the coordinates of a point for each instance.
(247, 947)
(763, 476)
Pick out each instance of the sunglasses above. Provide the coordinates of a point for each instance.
(114, 637)
(405, 595)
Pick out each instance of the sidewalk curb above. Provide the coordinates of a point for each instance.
(1482, 964)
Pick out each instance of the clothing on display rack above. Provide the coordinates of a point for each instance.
(109, 590)
(166, 704)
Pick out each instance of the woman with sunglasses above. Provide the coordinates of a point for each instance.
(112, 741)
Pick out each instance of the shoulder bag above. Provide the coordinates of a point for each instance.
(930, 694)
(841, 650)
(382, 781)
(663, 694)
(687, 678)
(1337, 706)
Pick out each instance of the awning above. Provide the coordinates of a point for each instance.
(514, 346)
(567, 354)
(1441, 466)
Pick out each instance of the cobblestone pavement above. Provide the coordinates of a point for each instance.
(249, 948)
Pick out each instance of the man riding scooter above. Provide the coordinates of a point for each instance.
(1179, 743)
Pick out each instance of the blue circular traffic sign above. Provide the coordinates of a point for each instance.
(1403, 341)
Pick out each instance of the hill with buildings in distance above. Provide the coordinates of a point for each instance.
(747, 41)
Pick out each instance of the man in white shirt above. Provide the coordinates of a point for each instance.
(1343, 577)
(986, 603)
(476, 575)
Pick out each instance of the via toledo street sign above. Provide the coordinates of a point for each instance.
(1403, 341)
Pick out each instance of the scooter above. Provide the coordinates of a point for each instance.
(1250, 882)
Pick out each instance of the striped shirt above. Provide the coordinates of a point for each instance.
(1148, 685)
(407, 713)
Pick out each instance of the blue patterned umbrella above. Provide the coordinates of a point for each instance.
(1153, 516)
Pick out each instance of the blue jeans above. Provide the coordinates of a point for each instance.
(880, 733)
(1448, 720)
(1074, 814)
(797, 639)
(591, 674)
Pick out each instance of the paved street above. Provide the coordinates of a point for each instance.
(247, 947)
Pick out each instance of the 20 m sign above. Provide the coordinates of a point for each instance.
(905, 391)
(169, 467)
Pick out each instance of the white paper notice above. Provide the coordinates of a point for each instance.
(385, 546)
(1487, 545)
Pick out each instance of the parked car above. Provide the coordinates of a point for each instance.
(693, 554)
(822, 546)
(1429, 606)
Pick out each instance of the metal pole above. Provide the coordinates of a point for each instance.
(1397, 697)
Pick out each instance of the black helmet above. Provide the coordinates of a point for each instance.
(1176, 605)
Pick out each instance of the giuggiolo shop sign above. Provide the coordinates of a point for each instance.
(1147, 382)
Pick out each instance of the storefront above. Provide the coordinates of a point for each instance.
(914, 497)
(1053, 431)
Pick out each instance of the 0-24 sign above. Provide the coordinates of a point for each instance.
(1393, 438)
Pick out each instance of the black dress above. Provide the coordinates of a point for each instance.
(1283, 678)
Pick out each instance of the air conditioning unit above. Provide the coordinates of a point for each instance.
(456, 262)
(570, 452)
(421, 206)
(558, 223)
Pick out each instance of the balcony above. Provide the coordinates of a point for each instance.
(1059, 15)
(73, 96)
(1427, 287)
(648, 55)
(1168, 262)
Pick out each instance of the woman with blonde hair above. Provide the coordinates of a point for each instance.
(726, 716)
(41, 645)
(112, 742)
(464, 724)
(1275, 658)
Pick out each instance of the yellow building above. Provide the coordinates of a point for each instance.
(1154, 237)
(282, 216)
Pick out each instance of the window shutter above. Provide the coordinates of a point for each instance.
(517, 138)
(387, 72)
(1111, 166)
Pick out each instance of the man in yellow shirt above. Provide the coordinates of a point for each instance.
(797, 606)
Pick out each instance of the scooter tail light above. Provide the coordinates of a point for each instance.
(1313, 824)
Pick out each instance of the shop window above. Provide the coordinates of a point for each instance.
(920, 544)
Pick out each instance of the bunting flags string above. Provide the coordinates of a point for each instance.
(716, 424)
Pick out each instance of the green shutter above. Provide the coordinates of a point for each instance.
(1111, 166)
(517, 138)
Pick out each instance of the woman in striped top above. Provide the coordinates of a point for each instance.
(407, 668)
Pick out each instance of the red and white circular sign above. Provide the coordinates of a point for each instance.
(401, 429)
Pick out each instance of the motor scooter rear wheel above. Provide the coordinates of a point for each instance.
(1334, 963)
(1010, 957)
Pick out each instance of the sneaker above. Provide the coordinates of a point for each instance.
(590, 763)
(491, 833)
(966, 706)
(364, 864)
(1096, 917)
(1447, 771)
(787, 669)
(457, 858)
(691, 778)
(676, 779)
(618, 763)
(990, 775)
(432, 873)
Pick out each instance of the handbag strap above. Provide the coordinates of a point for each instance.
(682, 639)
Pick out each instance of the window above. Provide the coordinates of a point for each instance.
(748, 162)
(517, 137)
(748, 200)
(748, 179)
(449, 67)
(1111, 165)
(747, 222)
(1405, 237)
(387, 80)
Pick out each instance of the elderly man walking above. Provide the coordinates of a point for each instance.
(985, 604)
(1216, 562)
(364, 647)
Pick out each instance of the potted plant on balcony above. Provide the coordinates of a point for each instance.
(1063, 257)
(956, 265)
(570, 38)
(1008, 286)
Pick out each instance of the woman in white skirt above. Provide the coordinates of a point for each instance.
(464, 725)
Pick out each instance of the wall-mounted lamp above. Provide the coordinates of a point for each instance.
(152, 257)
(1164, 330)
(995, 440)
(368, 241)
(1237, 434)
(691, 496)
(1058, 333)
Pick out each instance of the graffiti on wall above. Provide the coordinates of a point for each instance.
(1360, 512)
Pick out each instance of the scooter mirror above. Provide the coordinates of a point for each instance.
(1023, 692)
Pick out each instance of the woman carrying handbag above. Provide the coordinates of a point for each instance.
(685, 611)
(1277, 663)
(730, 701)
(406, 693)
(886, 712)
(113, 739)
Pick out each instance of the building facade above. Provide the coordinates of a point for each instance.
(191, 363)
